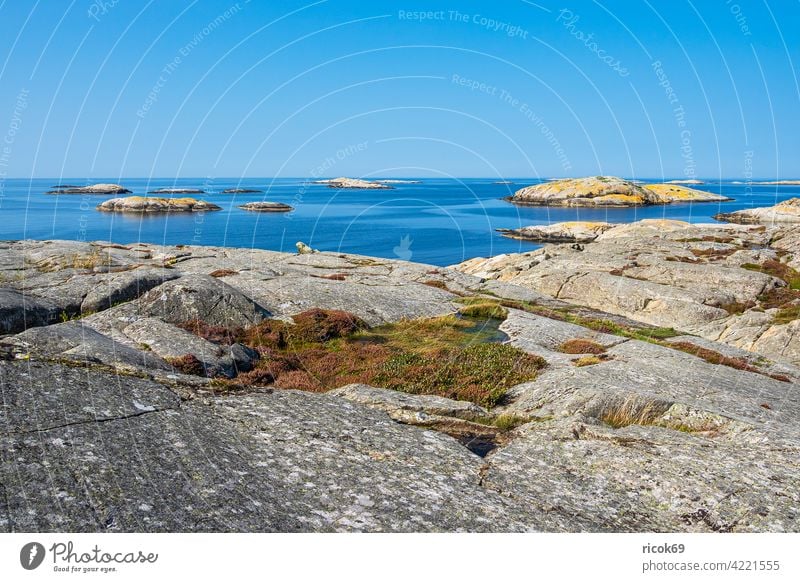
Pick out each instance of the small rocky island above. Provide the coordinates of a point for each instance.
(241, 191)
(266, 206)
(143, 204)
(787, 212)
(608, 191)
(644, 381)
(93, 189)
(177, 191)
(354, 184)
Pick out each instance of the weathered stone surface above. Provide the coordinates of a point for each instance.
(607, 191)
(787, 211)
(698, 447)
(204, 298)
(266, 207)
(140, 460)
(125, 286)
(169, 342)
(694, 278)
(19, 311)
(147, 204)
(392, 401)
(74, 341)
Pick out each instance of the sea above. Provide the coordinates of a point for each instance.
(437, 221)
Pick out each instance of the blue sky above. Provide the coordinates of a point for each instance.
(676, 89)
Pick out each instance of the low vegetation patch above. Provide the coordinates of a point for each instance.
(581, 346)
(713, 357)
(188, 364)
(323, 349)
(479, 307)
(777, 269)
(586, 361)
(713, 254)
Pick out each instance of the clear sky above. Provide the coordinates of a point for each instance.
(511, 88)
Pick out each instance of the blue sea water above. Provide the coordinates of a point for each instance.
(439, 221)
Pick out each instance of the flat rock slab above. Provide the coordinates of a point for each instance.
(285, 461)
(392, 401)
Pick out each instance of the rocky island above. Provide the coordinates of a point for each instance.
(607, 191)
(241, 191)
(177, 191)
(355, 184)
(149, 204)
(266, 206)
(645, 383)
(93, 189)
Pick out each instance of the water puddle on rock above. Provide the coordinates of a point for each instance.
(485, 330)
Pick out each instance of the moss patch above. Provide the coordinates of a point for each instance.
(586, 361)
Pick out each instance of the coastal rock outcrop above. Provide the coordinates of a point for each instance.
(579, 231)
(266, 206)
(728, 283)
(628, 427)
(241, 191)
(787, 211)
(607, 191)
(93, 189)
(148, 204)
